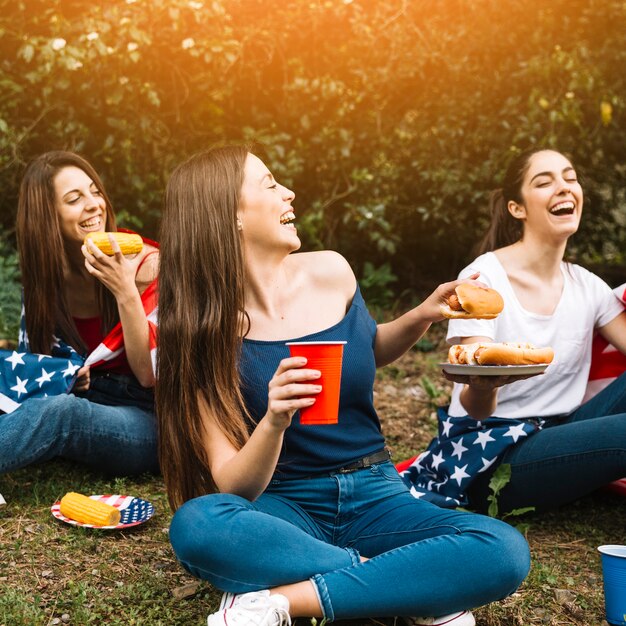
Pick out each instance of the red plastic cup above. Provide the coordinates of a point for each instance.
(327, 357)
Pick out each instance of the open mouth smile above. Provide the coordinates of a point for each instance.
(93, 223)
(563, 208)
(287, 218)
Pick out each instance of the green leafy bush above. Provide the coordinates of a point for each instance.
(391, 119)
(10, 293)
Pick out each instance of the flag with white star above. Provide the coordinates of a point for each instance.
(463, 449)
(25, 375)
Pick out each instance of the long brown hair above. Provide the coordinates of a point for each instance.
(43, 255)
(201, 315)
(504, 229)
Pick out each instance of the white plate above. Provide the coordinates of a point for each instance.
(493, 370)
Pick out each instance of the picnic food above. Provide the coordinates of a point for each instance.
(89, 511)
(129, 243)
(473, 302)
(499, 353)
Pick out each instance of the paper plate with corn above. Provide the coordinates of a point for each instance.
(105, 512)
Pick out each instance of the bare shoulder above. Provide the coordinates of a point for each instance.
(327, 267)
(148, 266)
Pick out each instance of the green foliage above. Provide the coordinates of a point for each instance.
(391, 120)
(424, 345)
(429, 387)
(500, 479)
(375, 282)
(10, 292)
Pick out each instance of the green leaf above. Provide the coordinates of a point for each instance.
(500, 478)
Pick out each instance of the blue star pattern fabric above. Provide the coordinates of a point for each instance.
(463, 449)
(136, 512)
(25, 375)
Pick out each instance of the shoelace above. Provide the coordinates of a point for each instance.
(283, 617)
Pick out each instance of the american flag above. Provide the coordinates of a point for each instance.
(464, 448)
(607, 363)
(25, 375)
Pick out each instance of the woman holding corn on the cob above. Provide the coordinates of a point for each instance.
(75, 293)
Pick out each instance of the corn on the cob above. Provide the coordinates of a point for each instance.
(130, 243)
(89, 511)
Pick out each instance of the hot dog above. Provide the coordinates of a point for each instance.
(499, 353)
(473, 302)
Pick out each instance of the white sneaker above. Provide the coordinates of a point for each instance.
(257, 608)
(464, 618)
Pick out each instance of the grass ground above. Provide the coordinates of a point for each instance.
(52, 573)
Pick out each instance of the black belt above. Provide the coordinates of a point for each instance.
(366, 461)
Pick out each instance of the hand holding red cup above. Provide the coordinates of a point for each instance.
(327, 357)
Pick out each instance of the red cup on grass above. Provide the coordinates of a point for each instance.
(327, 357)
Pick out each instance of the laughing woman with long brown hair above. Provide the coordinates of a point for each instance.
(289, 519)
(75, 296)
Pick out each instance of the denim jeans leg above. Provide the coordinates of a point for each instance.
(242, 546)
(116, 440)
(568, 459)
(610, 401)
(425, 560)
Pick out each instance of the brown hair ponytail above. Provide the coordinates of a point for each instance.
(504, 229)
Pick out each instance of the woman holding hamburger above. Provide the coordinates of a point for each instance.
(290, 519)
(558, 449)
(74, 295)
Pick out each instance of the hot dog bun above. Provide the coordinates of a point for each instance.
(473, 302)
(499, 353)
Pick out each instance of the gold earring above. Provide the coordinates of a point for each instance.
(239, 224)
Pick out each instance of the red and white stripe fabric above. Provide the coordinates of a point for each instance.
(607, 363)
(113, 344)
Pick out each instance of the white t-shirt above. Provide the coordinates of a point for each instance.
(586, 303)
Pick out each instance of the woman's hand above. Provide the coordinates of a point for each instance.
(116, 273)
(431, 307)
(479, 395)
(83, 379)
(290, 389)
(247, 471)
(394, 338)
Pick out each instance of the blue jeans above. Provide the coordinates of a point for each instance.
(117, 440)
(423, 560)
(569, 458)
